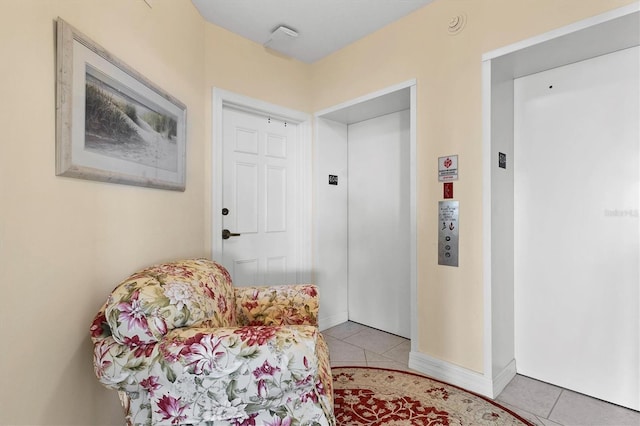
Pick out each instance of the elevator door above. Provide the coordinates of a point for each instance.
(576, 246)
(378, 224)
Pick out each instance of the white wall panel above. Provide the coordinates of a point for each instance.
(246, 141)
(330, 211)
(246, 197)
(276, 146)
(276, 202)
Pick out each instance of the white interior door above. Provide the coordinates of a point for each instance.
(577, 185)
(379, 223)
(259, 166)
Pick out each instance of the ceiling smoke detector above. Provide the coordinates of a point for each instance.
(457, 23)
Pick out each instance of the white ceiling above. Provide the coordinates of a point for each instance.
(323, 26)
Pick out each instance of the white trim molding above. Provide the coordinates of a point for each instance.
(462, 377)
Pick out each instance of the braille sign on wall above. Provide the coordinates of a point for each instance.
(448, 233)
(502, 160)
(333, 180)
(448, 168)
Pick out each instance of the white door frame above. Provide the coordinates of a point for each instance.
(411, 84)
(302, 195)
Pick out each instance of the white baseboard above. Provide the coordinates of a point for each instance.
(502, 379)
(332, 320)
(460, 376)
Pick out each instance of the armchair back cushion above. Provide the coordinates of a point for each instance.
(150, 303)
(296, 305)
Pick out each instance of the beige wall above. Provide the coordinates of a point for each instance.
(449, 121)
(64, 243)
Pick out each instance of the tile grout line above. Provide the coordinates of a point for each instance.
(365, 350)
(393, 347)
(554, 404)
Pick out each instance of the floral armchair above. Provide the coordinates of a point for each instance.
(182, 346)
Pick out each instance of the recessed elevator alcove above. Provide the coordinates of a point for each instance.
(365, 219)
(579, 43)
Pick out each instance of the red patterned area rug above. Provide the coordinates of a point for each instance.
(373, 396)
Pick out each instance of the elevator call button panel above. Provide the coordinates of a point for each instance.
(448, 233)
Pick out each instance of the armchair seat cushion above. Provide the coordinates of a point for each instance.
(182, 346)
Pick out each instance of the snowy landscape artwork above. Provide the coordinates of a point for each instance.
(112, 124)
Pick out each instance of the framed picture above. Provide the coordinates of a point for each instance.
(112, 124)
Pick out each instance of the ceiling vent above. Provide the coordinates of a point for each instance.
(281, 39)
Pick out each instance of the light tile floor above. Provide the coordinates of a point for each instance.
(352, 344)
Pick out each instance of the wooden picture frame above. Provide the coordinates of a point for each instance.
(112, 124)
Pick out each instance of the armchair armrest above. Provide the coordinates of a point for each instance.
(277, 305)
(121, 367)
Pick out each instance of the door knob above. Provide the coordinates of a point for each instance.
(226, 234)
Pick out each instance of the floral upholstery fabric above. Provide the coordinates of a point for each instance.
(182, 346)
(296, 305)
